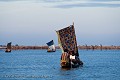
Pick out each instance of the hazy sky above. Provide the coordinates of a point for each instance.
(33, 22)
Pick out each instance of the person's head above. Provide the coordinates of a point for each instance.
(70, 52)
(66, 50)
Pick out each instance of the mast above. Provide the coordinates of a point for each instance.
(76, 48)
(73, 23)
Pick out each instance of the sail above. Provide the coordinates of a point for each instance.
(51, 45)
(9, 46)
(67, 39)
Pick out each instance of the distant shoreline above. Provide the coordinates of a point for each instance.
(93, 47)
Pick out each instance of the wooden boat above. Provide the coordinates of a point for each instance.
(51, 46)
(68, 44)
(8, 49)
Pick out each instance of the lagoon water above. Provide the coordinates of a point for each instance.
(40, 65)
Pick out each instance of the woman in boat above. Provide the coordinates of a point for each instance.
(65, 52)
(65, 60)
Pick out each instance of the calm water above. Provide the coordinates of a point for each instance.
(40, 65)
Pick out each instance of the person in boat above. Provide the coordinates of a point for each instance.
(48, 49)
(70, 56)
(65, 52)
(65, 58)
(75, 59)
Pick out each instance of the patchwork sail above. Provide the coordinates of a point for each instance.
(51, 46)
(68, 44)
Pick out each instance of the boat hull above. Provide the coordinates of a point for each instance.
(72, 64)
(51, 50)
(7, 50)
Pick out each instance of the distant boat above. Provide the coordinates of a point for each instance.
(8, 49)
(68, 44)
(51, 46)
